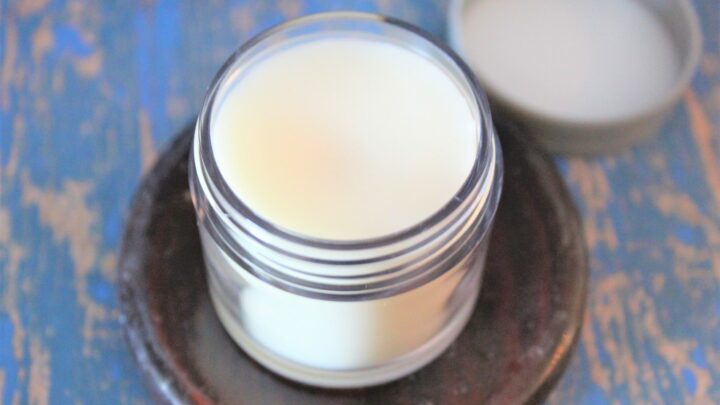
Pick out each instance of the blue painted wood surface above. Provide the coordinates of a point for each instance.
(91, 91)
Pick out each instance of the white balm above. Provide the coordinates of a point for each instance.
(345, 175)
(344, 139)
(575, 59)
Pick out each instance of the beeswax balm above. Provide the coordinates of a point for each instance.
(344, 138)
(345, 173)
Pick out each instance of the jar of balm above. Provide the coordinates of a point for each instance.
(345, 174)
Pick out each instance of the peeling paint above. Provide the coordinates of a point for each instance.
(609, 312)
(4, 226)
(147, 145)
(290, 8)
(592, 182)
(58, 81)
(690, 264)
(14, 256)
(714, 99)
(680, 205)
(622, 309)
(385, 5)
(42, 41)
(594, 187)
(598, 373)
(658, 283)
(676, 352)
(710, 64)
(702, 130)
(108, 266)
(242, 18)
(17, 143)
(10, 298)
(26, 8)
(89, 66)
(39, 385)
(8, 63)
(72, 220)
(177, 107)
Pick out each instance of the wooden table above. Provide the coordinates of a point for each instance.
(90, 92)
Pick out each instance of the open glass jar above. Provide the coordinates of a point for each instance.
(345, 313)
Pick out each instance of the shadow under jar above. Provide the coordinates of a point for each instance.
(346, 311)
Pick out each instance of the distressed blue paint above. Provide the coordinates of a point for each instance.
(143, 56)
(101, 291)
(689, 380)
(699, 357)
(157, 28)
(68, 39)
(115, 372)
(687, 234)
(5, 139)
(112, 228)
(154, 52)
(603, 354)
(7, 358)
(594, 396)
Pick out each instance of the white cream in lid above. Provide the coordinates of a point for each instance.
(577, 59)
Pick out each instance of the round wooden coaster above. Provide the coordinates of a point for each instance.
(514, 349)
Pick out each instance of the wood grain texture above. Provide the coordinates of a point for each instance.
(90, 91)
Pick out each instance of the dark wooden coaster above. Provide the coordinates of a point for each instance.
(514, 349)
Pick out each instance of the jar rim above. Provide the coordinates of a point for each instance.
(478, 174)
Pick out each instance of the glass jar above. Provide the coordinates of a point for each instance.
(345, 313)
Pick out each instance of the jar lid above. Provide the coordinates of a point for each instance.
(579, 76)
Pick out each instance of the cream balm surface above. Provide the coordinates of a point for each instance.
(345, 175)
(344, 138)
(576, 59)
